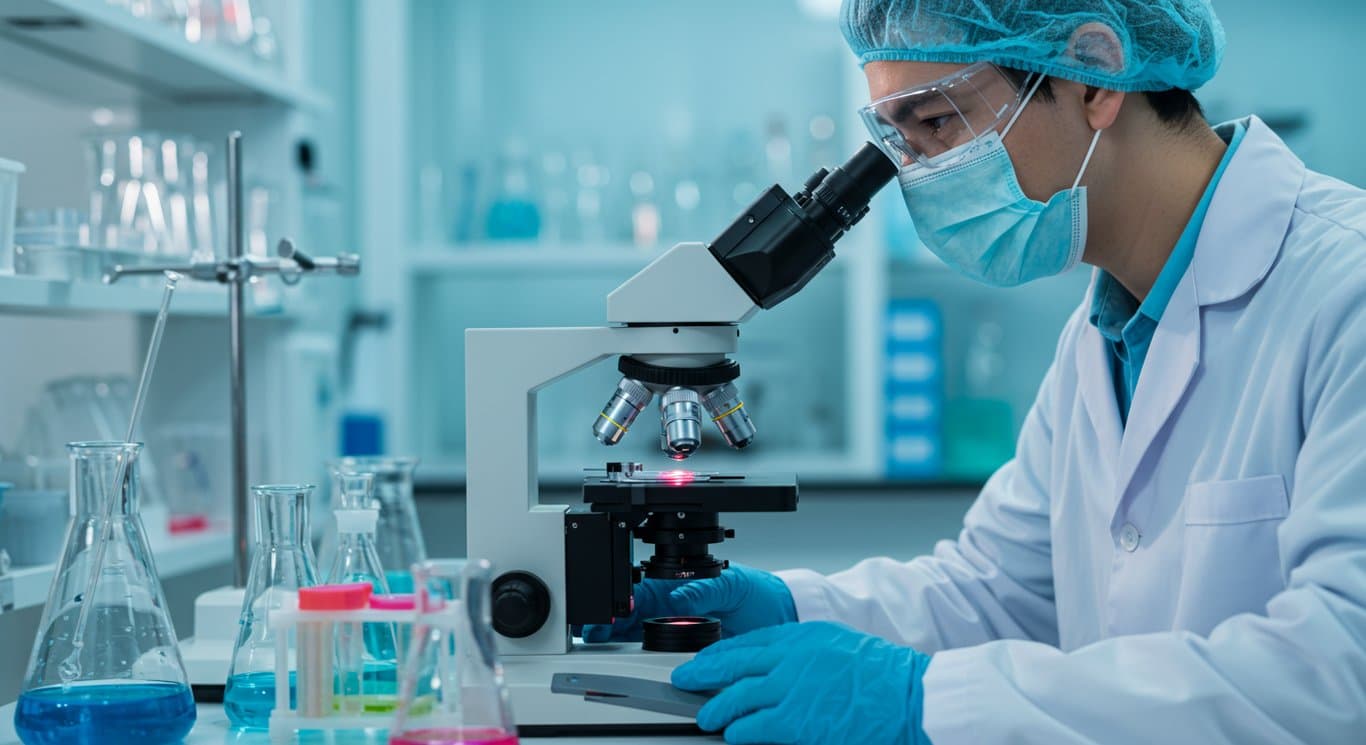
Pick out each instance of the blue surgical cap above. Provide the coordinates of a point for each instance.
(1150, 45)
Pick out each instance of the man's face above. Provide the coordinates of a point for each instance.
(1046, 144)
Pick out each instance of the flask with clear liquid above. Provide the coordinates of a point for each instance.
(452, 689)
(114, 677)
(281, 562)
(398, 537)
(358, 561)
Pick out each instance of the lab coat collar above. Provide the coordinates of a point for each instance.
(1248, 217)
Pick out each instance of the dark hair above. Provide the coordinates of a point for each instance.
(1176, 108)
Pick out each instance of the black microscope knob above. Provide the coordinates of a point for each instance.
(521, 604)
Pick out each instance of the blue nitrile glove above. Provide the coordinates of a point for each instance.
(743, 599)
(819, 683)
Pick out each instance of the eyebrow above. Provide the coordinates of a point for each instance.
(908, 108)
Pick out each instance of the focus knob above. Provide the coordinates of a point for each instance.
(521, 604)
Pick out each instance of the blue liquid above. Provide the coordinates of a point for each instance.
(399, 582)
(105, 714)
(379, 642)
(379, 637)
(249, 698)
(511, 218)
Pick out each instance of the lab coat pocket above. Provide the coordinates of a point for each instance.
(1231, 561)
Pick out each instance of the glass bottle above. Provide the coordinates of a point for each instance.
(514, 213)
(452, 690)
(282, 562)
(357, 561)
(398, 536)
(115, 676)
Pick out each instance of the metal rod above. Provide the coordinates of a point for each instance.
(237, 365)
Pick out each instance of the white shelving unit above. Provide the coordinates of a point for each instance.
(23, 294)
(175, 556)
(79, 56)
(527, 257)
(97, 52)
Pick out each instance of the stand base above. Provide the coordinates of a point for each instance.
(208, 654)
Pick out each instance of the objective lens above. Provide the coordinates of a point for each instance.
(621, 411)
(728, 411)
(681, 412)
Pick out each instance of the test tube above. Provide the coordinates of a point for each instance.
(331, 649)
(350, 649)
(315, 668)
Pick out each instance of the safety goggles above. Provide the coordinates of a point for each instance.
(924, 123)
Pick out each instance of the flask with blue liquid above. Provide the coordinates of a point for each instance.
(105, 666)
(282, 562)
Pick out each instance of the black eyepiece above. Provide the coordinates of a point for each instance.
(780, 243)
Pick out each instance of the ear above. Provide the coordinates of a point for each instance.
(1102, 107)
(1098, 47)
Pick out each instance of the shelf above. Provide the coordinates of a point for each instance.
(178, 555)
(522, 257)
(535, 258)
(96, 53)
(42, 295)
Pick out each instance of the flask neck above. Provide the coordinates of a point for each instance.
(282, 515)
(95, 472)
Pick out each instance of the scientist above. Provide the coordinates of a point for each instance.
(1177, 553)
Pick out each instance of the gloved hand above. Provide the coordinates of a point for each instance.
(809, 683)
(743, 599)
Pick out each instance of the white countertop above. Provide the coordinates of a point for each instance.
(212, 729)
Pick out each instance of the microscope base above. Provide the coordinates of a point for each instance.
(539, 712)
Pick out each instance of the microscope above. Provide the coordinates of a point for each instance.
(673, 329)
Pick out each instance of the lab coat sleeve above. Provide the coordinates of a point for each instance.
(1294, 675)
(994, 582)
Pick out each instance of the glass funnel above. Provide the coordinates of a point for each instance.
(114, 676)
(452, 688)
(282, 562)
(398, 537)
(357, 561)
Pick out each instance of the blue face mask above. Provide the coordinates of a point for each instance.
(974, 216)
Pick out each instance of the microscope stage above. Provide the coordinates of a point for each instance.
(685, 491)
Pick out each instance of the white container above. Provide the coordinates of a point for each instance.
(9, 199)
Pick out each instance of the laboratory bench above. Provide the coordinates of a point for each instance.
(211, 728)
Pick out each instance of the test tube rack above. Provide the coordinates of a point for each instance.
(330, 690)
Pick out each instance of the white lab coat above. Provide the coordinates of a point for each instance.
(1196, 577)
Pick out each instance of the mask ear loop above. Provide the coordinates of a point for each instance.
(1087, 161)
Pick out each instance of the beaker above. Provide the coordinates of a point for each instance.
(282, 562)
(357, 561)
(452, 688)
(119, 678)
(398, 538)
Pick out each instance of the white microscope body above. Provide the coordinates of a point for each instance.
(507, 524)
(675, 325)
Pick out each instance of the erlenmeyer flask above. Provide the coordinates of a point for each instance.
(357, 561)
(120, 679)
(452, 690)
(281, 563)
(398, 538)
